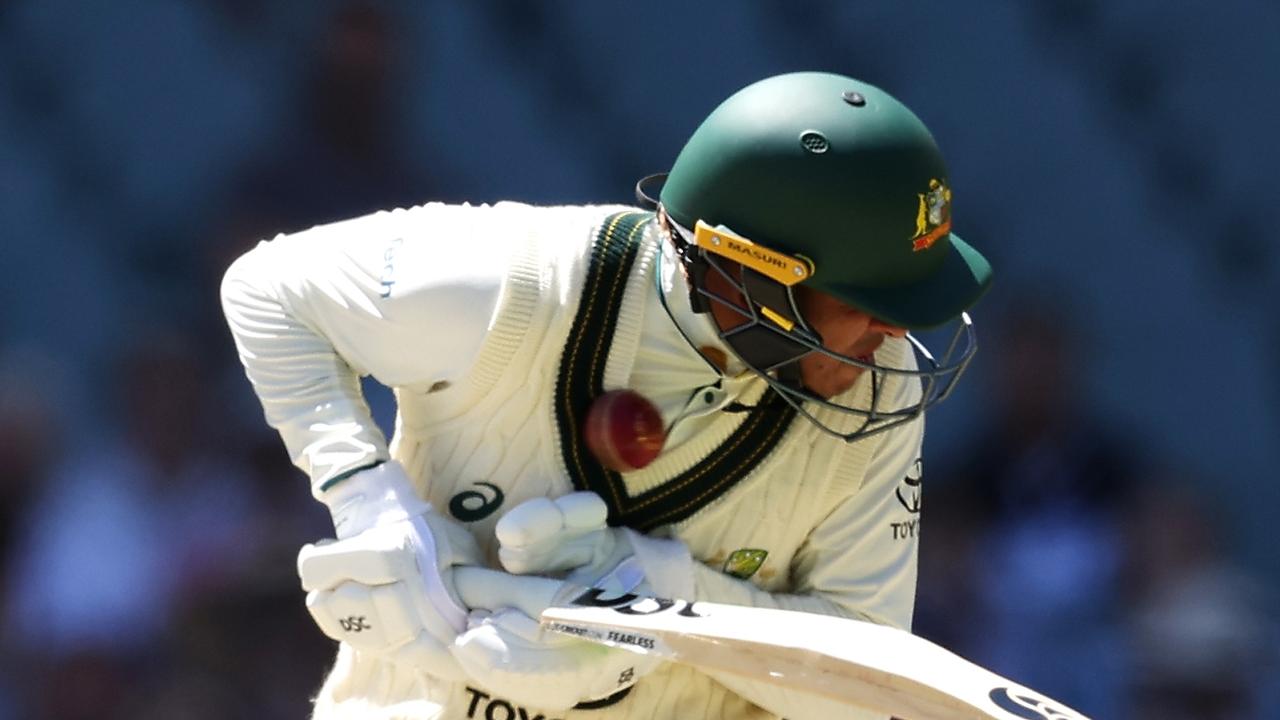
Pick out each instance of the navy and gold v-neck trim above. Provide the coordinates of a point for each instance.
(581, 380)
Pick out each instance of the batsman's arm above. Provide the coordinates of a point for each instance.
(404, 295)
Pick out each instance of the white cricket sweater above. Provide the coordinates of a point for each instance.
(464, 311)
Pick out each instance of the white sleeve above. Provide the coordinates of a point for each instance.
(406, 296)
(859, 562)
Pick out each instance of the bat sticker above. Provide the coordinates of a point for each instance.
(1021, 704)
(629, 604)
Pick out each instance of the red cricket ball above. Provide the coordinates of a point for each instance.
(624, 430)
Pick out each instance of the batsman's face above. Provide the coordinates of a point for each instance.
(845, 330)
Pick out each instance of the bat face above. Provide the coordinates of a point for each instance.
(855, 662)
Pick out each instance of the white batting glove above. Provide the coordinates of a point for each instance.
(567, 536)
(505, 651)
(570, 533)
(385, 586)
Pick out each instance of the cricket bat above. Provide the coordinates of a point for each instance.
(871, 666)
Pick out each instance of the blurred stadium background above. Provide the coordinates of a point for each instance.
(1102, 493)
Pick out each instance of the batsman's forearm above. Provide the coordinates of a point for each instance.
(308, 393)
(715, 586)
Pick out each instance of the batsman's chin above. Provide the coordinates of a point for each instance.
(836, 380)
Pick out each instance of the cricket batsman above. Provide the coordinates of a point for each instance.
(714, 396)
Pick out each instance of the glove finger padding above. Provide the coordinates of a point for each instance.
(442, 545)
(546, 536)
(484, 589)
(583, 510)
(367, 618)
(529, 523)
(390, 631)
(389, 590)
(539, 669)
(382, 555)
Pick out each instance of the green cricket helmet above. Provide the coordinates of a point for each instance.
(821, 181)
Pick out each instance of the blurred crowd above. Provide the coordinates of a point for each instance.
(147, 553)
(147, 560)
(1061, 553)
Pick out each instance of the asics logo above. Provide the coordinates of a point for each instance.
(473, 505)
(909, 496)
